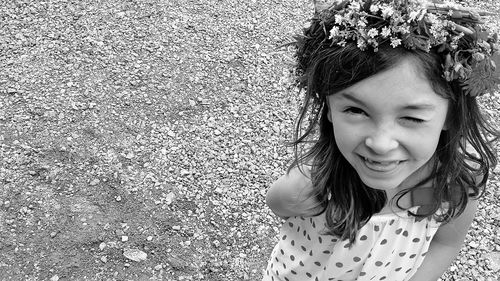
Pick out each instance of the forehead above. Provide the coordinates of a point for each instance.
(404, 85)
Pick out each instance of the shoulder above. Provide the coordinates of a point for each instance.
(454, 232)
(294, 184)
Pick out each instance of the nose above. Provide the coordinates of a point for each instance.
(381, 141)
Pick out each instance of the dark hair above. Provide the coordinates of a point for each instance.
(324, 70)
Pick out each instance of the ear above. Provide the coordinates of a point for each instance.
(328, 113)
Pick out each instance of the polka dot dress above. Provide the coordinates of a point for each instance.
(389, 247)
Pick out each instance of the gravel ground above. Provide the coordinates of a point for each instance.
(138, 138)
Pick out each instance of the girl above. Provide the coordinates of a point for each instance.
(391, 151)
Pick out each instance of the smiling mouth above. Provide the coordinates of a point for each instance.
(380, 166)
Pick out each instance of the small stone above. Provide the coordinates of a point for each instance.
(118, 198)
(158, 267)
(54, 278)
(134, 254)
(53, 234)
(216, 243)
(104, 259)
(493, 260)
(169, 198)
(473, 244)
(149, 238)
(176, 227)
(124, 238)
(95, 182)
(102, 246)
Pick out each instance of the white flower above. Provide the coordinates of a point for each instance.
(355, 6)
(387, 11)
(338, 19)
(413, 16)
(342, 43)
(334, 32)
(404, 29)
(361, 44)
(386, 31)
(374, 8)
(395, 42)
(372, 32)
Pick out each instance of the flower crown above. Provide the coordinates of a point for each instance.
(469, 52)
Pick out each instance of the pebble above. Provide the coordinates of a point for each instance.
(493, 260)
(95, 182)
(134, 254)
(124, 238)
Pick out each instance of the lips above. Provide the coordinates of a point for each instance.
(381, 166)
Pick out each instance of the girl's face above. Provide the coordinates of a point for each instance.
(388, 126)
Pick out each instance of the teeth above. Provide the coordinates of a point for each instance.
(380, 163)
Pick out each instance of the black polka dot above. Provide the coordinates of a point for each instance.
(398, 269)
(376, 228)
(317, 263)
(427, 238)
(303, 248)
(399, 230)
(327, 252)
(405, 233)
(362, 273)
(284, 265)
(409, 269)
(356, 259)
(308, 237)
(412, 256)
(320, 240)
(391, 222)
(286, 279)
(301, 263)
(382, 278)
(292, 257)
(363, 238)
(293, 272)
(347, 245)
(311, 253)
(415, 240)
(284, 237)
(339, 264)
(308, 274)
(387, 264)
(379, 263)
(292, 242)
(383, 242)
(402, 254)
(282, 252)
(290, 224)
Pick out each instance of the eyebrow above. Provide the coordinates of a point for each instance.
(415, 106)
